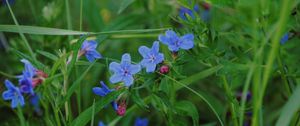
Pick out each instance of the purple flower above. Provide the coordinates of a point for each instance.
(13, 93)
(29, 70)
(152, 57)
(101, 123)
(141, 122)
(25, 80)
(26, 86)
(284, 39)
(88, 48)
(175, 42)
(123, 71)
(185, 11)
(103, 92)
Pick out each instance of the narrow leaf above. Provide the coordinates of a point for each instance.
(124, 5)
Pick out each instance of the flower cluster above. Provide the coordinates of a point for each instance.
(30, 78)
(125, 70)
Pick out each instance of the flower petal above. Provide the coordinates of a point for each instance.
(165, 40)
(6, 95)
(116, 78)
(171, 34)
(114, 105)
(29, 70)
(173, 48)
(128, 80)
(155, 47)
(150, 67)
(104, 87)
(99, 91)
(143, 50)
(126, 59)
(9, 85)
(187, 41)
(92, 55)
(159, 58)
(115, 67)
(133, 69)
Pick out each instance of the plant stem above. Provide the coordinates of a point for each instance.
(21, 33)
(229, 96)
(271, 57)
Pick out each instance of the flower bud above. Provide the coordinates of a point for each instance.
(164, 69)
(121, 109)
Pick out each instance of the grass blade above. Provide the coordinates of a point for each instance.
(289, 109)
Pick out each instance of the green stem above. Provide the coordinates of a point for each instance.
(80, 18)
(69, 23)
(283, 77)
(271, 57)
(232, 106)
(21, 116)
(20, 32)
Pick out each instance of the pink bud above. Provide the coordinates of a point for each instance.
(36, 82)
(40, 73)
(121, 109)
(164, 69)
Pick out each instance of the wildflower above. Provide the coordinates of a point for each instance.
(123, 71)
(122, 108)
(103, 92)
(152, 57)
(13, 93)
(29, 70)
(284, 38)
(88, 48)
(101, 123)
(141, 122)
(175, 42)
(26, 86)
(164, 69)
(185, 11)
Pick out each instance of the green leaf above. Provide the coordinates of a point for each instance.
(55, 31)
(138, 100)
(289, 109)
(85, 116)
(48, 55)
(189, 109)
(124, 5)
(39, 30)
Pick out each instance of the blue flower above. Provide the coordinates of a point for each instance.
(284, 39)
(185, 11)
(124, 71)
(175, 42)
(103, 92)
(152, 57)
(141, 122)
(13, 93)
(101, 123)
(26, 86)
(88, 48)
(29, 71)
(25, 80)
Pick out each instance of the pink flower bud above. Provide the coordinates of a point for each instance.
(121, 109)
(164, 69)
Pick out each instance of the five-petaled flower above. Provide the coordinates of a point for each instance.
(141, 122)
(13, 93)
(123, 71)
(103, 92)
(151, 57)
(88, 48)
(175, 42)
